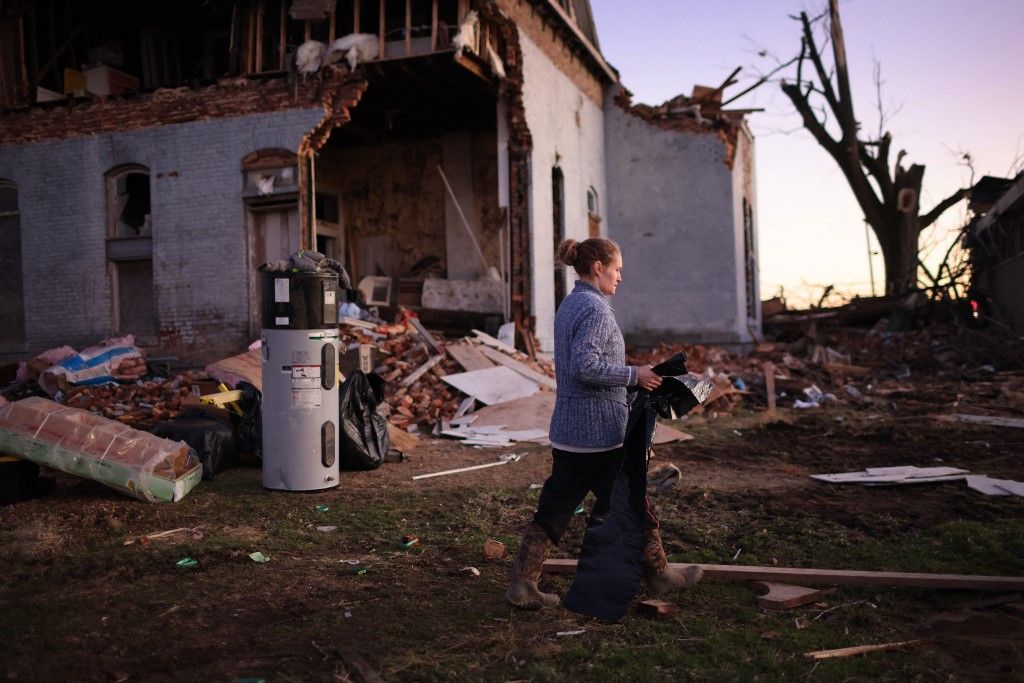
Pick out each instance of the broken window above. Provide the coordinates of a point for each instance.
(12, 304)
(593, 213)
(750, 261)
(558, 226)
(130, 252)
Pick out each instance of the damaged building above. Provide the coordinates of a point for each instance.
(995, 238)
(153, 155)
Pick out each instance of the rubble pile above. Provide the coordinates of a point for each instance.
(141, 401)
(848, 365)
(412, 367)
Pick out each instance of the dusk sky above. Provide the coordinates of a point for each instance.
(952, 66)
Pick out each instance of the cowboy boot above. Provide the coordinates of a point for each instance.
(660, 577)
(522, 589)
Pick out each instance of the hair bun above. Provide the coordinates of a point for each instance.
(567, 252)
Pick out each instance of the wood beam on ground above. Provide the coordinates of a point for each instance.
(835, 577)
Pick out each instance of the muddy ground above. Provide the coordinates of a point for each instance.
(79, 604)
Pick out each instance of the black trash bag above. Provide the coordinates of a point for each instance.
(213, 441)
(250, 427)
(364, 430)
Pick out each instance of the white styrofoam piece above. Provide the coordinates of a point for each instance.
(984, 484)
(1014, 487)
(493, 385)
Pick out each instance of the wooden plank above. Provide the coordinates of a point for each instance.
(355, 15)
(382, 53)
(495, 343)
(839, 577)
(435, 347)
(433, 26)
(665, 434)
(282, 38)
(521, 368)
(408, 28)
(422, 370)
(991, 420)
(769, 385)
(261, 8)
(862, 649)
(468, 356)
(331, 29)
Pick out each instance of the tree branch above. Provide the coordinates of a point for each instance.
(940, 208)
(819, 66)
(845, 113)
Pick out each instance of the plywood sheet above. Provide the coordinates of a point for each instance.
(468, 356)
(493, 386)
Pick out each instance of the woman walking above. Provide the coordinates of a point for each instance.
(589, 423)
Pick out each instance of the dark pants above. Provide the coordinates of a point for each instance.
(573, 476)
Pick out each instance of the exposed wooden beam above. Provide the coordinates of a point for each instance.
(408, 28)
(355, 15)
(261, 7)
(433, 25)
(839, 577)
(331, 28)
(282, 38)
(380, 30)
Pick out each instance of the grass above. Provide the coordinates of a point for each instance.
(79, 604)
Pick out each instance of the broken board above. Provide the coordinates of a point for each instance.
(468, 356)
(657, 609)
(521, 368)
(992, 420)
(246, 366)
(532, 412)
(665, 434)
(784, 595)
(494, 385)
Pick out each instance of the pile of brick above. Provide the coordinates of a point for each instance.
(412, 364)
(138, 402)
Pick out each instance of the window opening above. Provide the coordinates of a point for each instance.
(12, 285)
(558, 225)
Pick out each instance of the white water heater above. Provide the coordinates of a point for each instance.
(300, 381)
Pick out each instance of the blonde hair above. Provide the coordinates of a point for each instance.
(583, 255)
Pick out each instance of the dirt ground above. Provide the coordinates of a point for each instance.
(79, 604)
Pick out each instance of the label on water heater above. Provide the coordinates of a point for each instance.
(306, 390)
(281, 290)
(329, 296)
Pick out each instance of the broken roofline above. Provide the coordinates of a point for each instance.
(232, 97)
(562, 20)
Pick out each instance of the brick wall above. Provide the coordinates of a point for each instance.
(198, 221)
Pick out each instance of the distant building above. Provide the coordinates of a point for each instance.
(996, 241)
(151, 158)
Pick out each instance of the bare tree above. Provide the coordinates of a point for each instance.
(889, 197)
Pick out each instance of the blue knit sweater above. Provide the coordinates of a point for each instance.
(591, 371)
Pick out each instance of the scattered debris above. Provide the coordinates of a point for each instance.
(321, 508)
(657, 609)
(472, 571)
(664, 476)
(784, 596)
(992, 420)
(502, 460)
(903, 474)
(578, 632)
(494, 550)
(327, 529)
(194, 533)
(187, 562)
(862, 649)
(408, 541)
(258, 557)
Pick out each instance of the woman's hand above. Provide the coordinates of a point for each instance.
(647, 379)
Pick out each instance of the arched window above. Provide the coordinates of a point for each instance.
(130, 252)
(593, 213)
(12, 286)
(558, 226)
